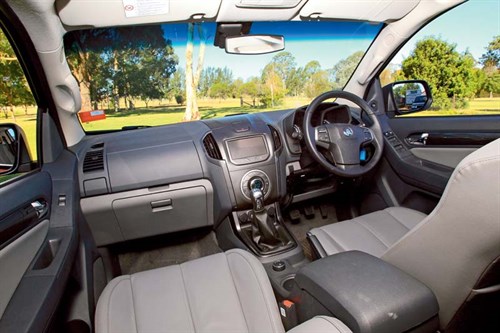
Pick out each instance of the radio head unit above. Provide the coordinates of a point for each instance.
(247, 150)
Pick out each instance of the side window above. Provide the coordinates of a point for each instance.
(18, 114)
(458, 54)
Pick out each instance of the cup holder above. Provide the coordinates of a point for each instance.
(288, 282)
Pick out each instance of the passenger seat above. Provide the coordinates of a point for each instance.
(225, 292)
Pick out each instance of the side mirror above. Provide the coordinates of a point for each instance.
(404, 97)
(14, 153)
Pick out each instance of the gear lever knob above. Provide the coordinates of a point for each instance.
(257, 195)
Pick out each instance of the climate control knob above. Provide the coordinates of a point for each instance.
(255, 179)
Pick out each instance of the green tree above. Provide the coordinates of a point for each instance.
(236, 87)
(153, 69)
(491, 59)
(491, 84)
(212, 76)
(295, 82)
(491, 64)
(283, 64)
(342, 71)
(272, 90)
(120, 62)
(317, 84)
(176, 87)
(314, 80)
(449, 73)
(220, 90)
(311, 68)
(252, 88)
(14, 89)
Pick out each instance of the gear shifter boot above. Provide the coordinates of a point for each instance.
(264, 231)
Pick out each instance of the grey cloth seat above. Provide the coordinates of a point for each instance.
(372, 233)
(226, 292)
(451, 249)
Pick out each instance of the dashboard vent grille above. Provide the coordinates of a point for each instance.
(211, 147)
(276, 138)
(94, 160)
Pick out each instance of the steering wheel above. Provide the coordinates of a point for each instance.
(344, 142)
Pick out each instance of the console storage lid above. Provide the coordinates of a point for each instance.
(369, 294)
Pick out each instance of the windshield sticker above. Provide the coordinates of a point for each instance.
(138, 8)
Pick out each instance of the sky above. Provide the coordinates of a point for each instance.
(471, 26)
(345, 39)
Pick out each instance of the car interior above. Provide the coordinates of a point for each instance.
(342, 215)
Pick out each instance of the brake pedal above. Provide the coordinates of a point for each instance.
(324, 211)
(309, 212)
(294, 216)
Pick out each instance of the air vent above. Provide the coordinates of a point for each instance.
(276, 138)
(93, 161)
(211, 147)
(98, 145)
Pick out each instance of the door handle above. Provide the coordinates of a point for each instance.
(418, 140)
(40, 207)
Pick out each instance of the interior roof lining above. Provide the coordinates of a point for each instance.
(83, 14)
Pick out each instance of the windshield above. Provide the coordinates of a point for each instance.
(161, 74)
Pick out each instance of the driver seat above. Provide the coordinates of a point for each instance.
(454, 250)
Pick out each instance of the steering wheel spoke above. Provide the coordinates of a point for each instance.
(322, 137)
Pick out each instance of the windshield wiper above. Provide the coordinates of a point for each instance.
(134, 127)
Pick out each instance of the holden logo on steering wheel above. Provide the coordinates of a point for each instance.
(348, 132)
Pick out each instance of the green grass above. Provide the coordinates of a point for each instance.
(157, 114)
(169, 114)
(4, 178)
(478, 106)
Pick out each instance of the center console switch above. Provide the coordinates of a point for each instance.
(366, 293)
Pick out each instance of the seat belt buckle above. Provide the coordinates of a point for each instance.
(288, 313)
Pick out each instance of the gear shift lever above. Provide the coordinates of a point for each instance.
(257, 195)
(265, 232)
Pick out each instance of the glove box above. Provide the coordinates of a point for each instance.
(149, 212)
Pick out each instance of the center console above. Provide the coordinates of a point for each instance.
(251, 149)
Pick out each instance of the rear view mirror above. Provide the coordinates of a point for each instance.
(254, 44)
(14, 153)
(406, 97)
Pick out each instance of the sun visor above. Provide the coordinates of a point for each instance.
(259, 10)
(106, 13)
(362, 10)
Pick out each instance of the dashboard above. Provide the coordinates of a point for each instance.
(192, 174)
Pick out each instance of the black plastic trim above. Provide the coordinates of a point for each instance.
(17, 224)
(461, 138)
(318, 249)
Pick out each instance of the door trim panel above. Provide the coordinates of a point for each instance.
(16, 258)
(445, 156)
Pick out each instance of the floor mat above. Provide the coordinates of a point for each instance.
(299, 230)
(166, 250)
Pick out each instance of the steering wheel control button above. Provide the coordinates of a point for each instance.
(322, 135)
(279, 266)
(368, 135)
(362, 155)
